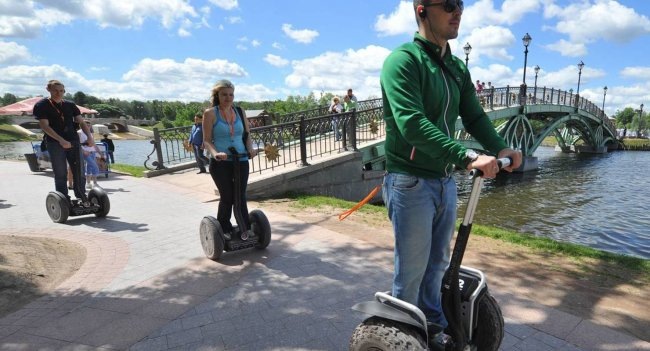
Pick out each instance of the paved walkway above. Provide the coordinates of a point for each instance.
(146, 285)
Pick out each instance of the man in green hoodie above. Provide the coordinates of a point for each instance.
(425, 88)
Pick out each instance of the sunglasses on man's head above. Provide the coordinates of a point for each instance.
(449, 5)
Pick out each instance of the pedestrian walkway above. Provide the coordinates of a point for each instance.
(146, 285)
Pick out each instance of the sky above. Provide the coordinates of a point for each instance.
(177, 49)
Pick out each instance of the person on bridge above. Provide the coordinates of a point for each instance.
(225, 126)
(196, 140)
(58, 119)
(424, 89)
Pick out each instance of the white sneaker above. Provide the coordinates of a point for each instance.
(89, 186)
(96, 185)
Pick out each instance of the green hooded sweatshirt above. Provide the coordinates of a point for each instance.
(422, 102)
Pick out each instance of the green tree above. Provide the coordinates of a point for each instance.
(624, 118)
(8, 99)
(79, 98)
(107, 111)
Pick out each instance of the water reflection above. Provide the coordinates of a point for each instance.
(594, 200)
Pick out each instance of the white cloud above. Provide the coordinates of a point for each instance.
(11, 53)
(225, 4)
(255, 43)
(170, 71)
(401, 21)
(35, 16)
(337, 71)
(304, 36)
(483, 13)
(491, 41)
(255, 92)
(234, 20)
(639, 73)
(277, 45)
(566, 48)
(164, 79)
(606, 19)
(275, 60)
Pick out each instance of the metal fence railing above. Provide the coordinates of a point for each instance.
(282, 144)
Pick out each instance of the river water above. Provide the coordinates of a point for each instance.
(600, 201)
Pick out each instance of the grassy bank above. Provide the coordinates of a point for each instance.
(637, 143)
(538, 244)
(136, 171)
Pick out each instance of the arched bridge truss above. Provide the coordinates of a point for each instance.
(526, 120)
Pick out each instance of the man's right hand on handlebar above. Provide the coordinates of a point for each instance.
(486, 164)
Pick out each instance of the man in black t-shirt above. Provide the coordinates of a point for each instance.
(58, 119)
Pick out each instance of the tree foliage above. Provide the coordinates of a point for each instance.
(8, 99)
(175, 113)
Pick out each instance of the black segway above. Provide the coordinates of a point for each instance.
(474, 317)
(59, 207)
(214, 240)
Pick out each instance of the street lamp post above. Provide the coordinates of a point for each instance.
(580, 65)
(537, 68)
(522, 91)
(604, 95)
(467, 48)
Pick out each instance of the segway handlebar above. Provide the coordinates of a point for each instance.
(501, 163)
(236, 155)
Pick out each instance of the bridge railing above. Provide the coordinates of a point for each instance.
(279, 145)
(512, 96)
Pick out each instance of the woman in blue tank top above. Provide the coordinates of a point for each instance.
(223, 128)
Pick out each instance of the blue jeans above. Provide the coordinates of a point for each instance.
(201, 160)
(423, 213)
(59, 157)
(335, 128)
(91, 164)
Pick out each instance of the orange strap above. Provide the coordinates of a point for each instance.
(372, 194)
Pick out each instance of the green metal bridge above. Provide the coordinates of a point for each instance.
(525, 120)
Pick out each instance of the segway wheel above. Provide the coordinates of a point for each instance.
(261, 227)
(57, 207)
(378, 334)
(98, 197)
(212, 238)
(489, 330)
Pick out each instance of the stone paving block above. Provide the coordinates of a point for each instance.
(169, 305)
(532, 344)
(154, 344)
(81, 347)
(550, 340)
(591, 336)
(122, 332)
(169, 328)
(197, 320)
(75, 324)
(520, 331)
(21, 341)
(220, 314)
(218, 329)
(183, 337)
(123, 304)
(6, 330)
(508, 341)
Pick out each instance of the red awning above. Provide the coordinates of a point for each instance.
(26, 108)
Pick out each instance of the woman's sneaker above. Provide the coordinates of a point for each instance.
(89, 186)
